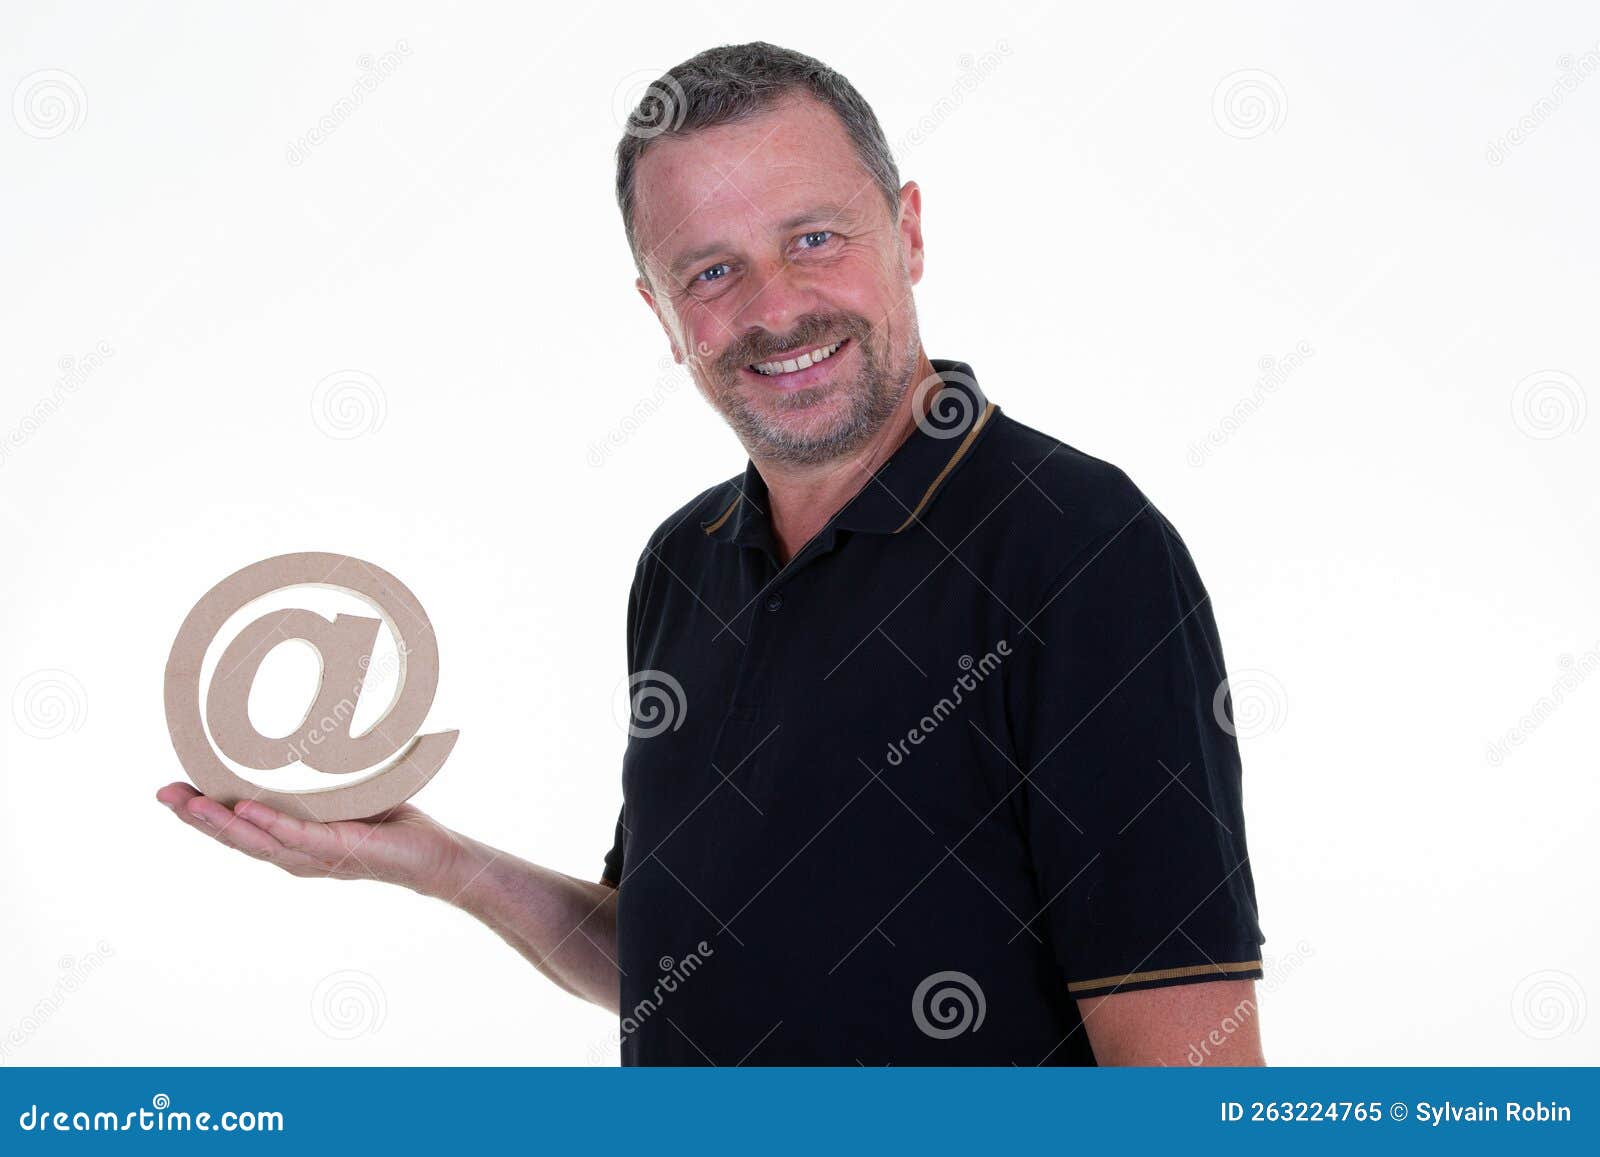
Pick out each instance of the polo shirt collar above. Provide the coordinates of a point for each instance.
(902, 489)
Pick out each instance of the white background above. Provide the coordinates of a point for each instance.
(1399, 536)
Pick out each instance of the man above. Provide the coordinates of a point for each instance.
(931, 760)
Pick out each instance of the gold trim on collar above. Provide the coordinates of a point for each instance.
(966, 444)
(1161, 974)
(723, 517)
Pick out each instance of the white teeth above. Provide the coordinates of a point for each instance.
(790, 365)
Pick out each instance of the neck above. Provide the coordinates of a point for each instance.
(801, 499)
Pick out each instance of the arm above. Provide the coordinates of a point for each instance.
(1134, 797)
(565, 927)
(1213, 1023)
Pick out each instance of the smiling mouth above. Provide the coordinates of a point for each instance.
(805, 360)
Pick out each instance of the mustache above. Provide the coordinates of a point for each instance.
(812, 331)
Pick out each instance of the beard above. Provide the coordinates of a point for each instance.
(776, 428)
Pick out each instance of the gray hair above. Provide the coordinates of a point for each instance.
(735, 81)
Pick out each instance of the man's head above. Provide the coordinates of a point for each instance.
(768, 225)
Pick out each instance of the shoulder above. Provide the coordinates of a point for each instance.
(1054, 504)
(683, 529)
(1089, 490)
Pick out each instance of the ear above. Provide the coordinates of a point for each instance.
(643, 287)
(911, 229)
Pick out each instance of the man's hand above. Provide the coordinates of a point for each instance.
(563, 926)
(405, 847)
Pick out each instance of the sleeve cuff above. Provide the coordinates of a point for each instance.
(1162, 977)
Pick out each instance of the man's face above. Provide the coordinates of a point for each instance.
(766, 242)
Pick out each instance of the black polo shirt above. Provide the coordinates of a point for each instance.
(966, 758)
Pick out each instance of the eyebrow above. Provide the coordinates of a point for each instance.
(818, 213)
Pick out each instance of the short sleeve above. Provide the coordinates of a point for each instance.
(1132, 781)
(612, 873)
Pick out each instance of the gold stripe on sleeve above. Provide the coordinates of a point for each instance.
(1162, 974)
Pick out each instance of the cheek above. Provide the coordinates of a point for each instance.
(698, 326)
(878, 283)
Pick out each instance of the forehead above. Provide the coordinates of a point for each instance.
(716, 183)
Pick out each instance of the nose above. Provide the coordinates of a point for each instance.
(779, 297)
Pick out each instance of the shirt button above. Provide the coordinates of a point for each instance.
(774, 601)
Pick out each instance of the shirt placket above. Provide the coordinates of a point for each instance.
(753, 718)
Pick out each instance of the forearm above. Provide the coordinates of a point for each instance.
(564, 927)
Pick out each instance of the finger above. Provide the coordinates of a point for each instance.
(205, 816)
(227, 828)
(176, 795)
(185, 811)
(315, 840)
(328, 849)
(179, 799)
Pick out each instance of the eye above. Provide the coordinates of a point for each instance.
(706, 276)
(811, 237)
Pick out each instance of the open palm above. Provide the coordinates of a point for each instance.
(404, 847)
